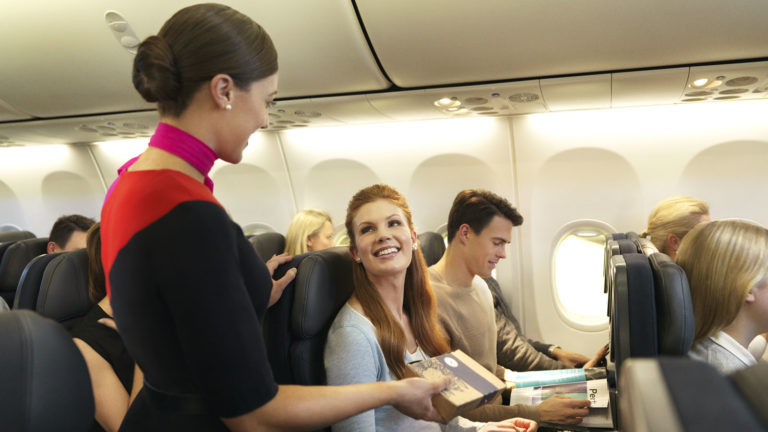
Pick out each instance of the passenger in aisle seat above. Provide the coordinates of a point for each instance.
(671, 220)
(188, 291)
(310, 230)
(390, 320)
(115, 378)
(68, 233)
(726, 262)
(479, 227)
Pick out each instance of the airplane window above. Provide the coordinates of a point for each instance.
(340, 237)
(257, 228)
(578, 274)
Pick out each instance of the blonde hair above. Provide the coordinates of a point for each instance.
(305, 224)
(418, 301)
(723, 261)
(676, 215)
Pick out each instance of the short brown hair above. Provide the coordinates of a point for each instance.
(194, 45)
(476, 208)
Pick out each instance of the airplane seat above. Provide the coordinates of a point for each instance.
(64, 288)
(16, 257)
(323, 285)
(268, 244)
(674, 309)
(15, 235)
(633, 321)
(29, 284)
(679, 394)
(617, 236)
(432, 246)
(45, 382)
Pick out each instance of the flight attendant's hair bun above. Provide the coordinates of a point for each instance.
(154, 71)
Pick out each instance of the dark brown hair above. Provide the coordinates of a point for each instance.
(418, 300)
(476, 208)
(194, 45)
(97, 285)
(62, 229)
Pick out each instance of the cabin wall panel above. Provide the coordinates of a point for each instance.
(40, 183)
(715, 152)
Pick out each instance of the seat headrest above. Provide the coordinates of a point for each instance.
(29, 284)
(627, 246)
(323, 284)
(44, 378)
(752, 382)
(6, 236)
(64, 288)
(674, 310)
(16, 257)
(268, 244)
(432, 246)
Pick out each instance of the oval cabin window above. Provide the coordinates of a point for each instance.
(578, 274)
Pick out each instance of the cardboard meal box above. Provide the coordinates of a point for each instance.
(471, 385)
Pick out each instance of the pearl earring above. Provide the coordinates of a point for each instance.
(357, 260)
(228, 107)
(415, 246)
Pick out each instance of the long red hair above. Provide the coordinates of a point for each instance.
(419, 302)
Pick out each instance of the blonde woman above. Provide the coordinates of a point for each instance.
(310, 230)
(727, 266)
(671, 220)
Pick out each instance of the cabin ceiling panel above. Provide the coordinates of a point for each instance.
(81, 130)
(652, 87)
(8, 113)
(574, 93)
(64, 60)
(434, 42)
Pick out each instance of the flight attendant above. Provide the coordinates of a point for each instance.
(187, 289)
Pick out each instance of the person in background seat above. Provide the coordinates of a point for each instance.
(391, 319)
(68, 233)
(726, 262)
(671, 220)
(116, 379)
(310, 230)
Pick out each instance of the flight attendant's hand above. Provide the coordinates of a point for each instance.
(413, 397)
(279, 285)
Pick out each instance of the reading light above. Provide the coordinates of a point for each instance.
(714, 83)
(701, 82)
(448, 102)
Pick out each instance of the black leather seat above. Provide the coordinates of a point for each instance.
(16, 257)
(674, 309)
(63, 293)
(29, 285)
(7, 236)
(677, 394)
(323, 285)
(268, 244)
(45, 382)
(432, 246)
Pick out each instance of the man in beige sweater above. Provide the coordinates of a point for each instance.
(479, 228)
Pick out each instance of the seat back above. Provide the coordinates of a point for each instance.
(633, 320)
(16, 257)
(677, 394)
(45, 382)
(323, 285)
(432, 246)
(29, 285)
(6, 236)
(674, 309)
(268, 244)
(64, 288)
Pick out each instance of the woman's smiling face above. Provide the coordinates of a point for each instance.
(383, 240)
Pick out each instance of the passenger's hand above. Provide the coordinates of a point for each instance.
(109, 322)
(571, 359)
(279, 285)
(413, 397)
(563, 410)
(601, 353)
(515, 424)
